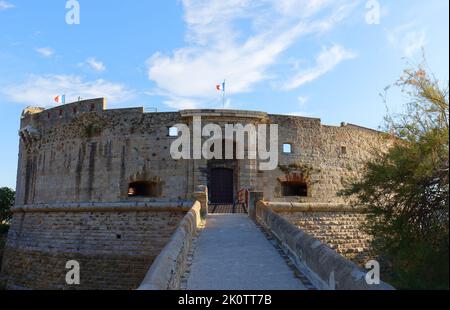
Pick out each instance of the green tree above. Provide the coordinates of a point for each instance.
(7, 197)
(406, 189)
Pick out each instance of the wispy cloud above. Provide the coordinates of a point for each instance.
(39, 90)
(302, 100)
(5, 5)
(46, 52)
(326, 61)
(95, 64)
(408, 39)
(216, 50)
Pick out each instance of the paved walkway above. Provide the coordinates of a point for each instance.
(233, 254)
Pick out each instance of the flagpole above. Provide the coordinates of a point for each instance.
(223, 95)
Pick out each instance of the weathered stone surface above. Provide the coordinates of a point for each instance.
(78, 154)
(2, 245)
(114, 249)
(323, 266)
(84, 152)
(167, 270)
(343, 231)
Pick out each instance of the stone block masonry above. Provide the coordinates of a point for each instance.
(85, 174)
(82, 152)
(169, 267)
(114, 248)
(325, 268)
(342, 229)
(2, 245)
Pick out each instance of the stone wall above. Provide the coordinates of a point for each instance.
(92, 156)
(322, 265)
(169, 267)
(340, 230)
(114, 248)
(2, 245)
(82, 152)
(325, 157)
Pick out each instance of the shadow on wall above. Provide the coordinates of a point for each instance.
(3, 233)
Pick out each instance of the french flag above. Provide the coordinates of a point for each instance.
(60, 99)
(221, 87)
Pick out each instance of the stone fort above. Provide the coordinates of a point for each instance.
(99, 186)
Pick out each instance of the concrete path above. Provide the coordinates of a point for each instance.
(233, 254)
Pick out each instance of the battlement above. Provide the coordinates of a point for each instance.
(36, 117)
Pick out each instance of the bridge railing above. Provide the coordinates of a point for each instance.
(324, 267)
(167, 270)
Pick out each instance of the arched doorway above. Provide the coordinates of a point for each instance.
(221, 186)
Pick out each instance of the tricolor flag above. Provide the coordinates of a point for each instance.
(221, 87)
(60, 99)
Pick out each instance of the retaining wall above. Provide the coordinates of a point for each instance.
(114, 243)
(340, 226)
(167, 270)
(322, 265)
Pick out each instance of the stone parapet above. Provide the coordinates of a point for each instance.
(201, 195)
(114, 243)
(168, 268)
(323, 266)
(313, 207)
(160, 206)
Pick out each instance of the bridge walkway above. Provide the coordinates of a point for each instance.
(232, 253)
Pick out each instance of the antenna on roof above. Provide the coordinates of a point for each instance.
(150, 109)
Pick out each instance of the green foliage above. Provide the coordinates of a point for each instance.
(7, 197)
(92, 130)
(306, 170)
(406, 189)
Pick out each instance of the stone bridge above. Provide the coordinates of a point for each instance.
(260, 250)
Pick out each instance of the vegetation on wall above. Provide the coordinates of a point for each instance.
(406, 189)
(92, 130)
(304, 169)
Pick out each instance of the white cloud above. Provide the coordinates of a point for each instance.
(408, 39)
(95, 64)
(46, 52)
(6, 5)
(302, 102)
(216, 49)
(40, 90)
(326, 61)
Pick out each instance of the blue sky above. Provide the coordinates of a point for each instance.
(317, 58)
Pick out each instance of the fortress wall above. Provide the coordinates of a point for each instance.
(340, 230)
(96, 155)
(317, 156)
(114, 249)
(324, 267)
(82, 153)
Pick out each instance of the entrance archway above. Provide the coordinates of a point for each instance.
(221, 186)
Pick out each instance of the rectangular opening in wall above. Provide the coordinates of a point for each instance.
(144, 189)
(343, 150)
(294, 189)
(287, 148)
